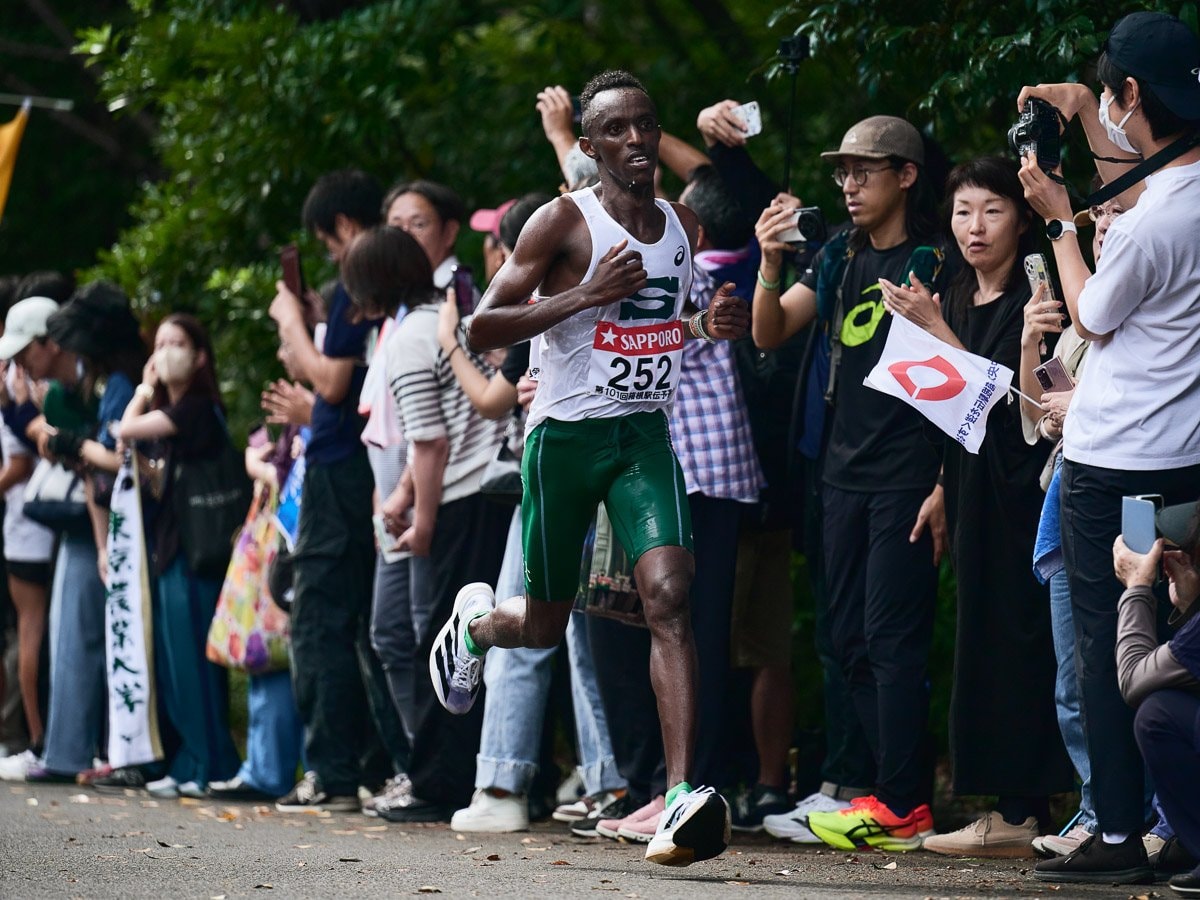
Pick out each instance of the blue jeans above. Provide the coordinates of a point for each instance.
(1066, 693)
(274, 736)
(518, 684)
(78, 693)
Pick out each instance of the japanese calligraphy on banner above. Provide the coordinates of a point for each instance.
(953, 389)
(133, 736)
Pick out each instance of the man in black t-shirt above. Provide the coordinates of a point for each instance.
(883, 520)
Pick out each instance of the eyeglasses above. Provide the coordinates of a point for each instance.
(860, 174)
(1096, 213)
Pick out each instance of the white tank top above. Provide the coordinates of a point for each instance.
(623, 357)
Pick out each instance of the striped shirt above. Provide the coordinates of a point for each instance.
(431, 405)
(710, 426)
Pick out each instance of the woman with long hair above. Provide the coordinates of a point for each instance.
(179, 405)
(1004, 734)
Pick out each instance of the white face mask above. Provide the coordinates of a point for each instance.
(174, 365)
(1115, 131)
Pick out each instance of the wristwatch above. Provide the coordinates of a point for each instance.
(1056, 228)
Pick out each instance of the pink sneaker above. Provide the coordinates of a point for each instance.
(642, 831)
(611, 828)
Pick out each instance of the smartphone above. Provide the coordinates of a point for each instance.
(750, 116)
(1137, 521)
(464, 290)
(925, 263)
(387, 542)
(809, 226)
(1052, 376)
(1038, 273)
(576, 110)
(293, 274)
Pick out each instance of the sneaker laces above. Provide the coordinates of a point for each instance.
(306, 790)
(466, 672)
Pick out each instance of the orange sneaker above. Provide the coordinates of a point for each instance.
(868, 822)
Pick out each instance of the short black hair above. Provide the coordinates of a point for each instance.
(726, 223)
(518, 214)
(445, 201)
(57, 286)
(1163, 123)
(384, 269)
(611, 80)
(346, 192)
(8, 291)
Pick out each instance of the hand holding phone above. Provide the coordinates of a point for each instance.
(1052, 377)
(1137, 521)
(750, 117)
(293, 275)
(464, 290)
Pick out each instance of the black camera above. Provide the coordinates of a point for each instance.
(1037, 132)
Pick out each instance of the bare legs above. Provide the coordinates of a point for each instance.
(664, 577)
(30, 602)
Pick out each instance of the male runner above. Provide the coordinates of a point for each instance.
(611, 267)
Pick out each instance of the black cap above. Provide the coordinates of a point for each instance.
(1175, 523)
(1163, 52)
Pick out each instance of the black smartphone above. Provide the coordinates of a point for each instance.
(293, 274)
(576, 110)
(464, 290)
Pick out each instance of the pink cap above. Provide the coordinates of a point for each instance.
(488, 220)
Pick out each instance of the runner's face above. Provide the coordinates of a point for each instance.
(876, 200)
(623, 136)
(987, 228)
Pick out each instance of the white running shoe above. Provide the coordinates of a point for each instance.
(489, 814)
(166, 787)
(793, 825)
(456, 672)
(695, 827)
(13, 768)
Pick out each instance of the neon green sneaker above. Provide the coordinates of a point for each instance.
(869, 823)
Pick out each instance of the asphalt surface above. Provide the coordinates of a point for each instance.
(66, 841)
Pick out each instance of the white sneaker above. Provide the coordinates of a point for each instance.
(571, 789)
(13, 768)
(695, 827)
(578, 810)
(166, 787)
(192, 789)
(456, 672)
(793, 825)
(489, 814)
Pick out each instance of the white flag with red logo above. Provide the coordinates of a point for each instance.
(953, 389)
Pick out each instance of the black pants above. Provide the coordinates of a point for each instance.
(1091, 520)
(468, 546)
(1167, 726)
(848, 761)
(882, 592)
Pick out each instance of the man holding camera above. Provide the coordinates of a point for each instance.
(883, 519)
(1134, 426)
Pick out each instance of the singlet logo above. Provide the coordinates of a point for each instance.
(862, 321)
(679, 256)
(951, 387)
(655, 301)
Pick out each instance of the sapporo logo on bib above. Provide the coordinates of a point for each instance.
(637, 357)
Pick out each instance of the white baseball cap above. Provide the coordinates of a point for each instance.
(25, 322)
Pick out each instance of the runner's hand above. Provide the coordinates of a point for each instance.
(619, 274)
(933, 514)
(728, 316)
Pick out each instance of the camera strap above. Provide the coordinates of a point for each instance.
(1167, 154)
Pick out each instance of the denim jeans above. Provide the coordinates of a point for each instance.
(1066, 694)
(274, 736)
(518, 684)
(78, 695)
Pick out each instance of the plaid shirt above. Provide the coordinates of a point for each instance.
(710, 426)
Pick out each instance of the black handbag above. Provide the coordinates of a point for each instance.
(210, 498)
(501, 480)
(56, 497)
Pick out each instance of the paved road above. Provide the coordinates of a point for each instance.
(64, 841)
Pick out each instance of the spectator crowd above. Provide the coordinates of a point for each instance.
(388, 474)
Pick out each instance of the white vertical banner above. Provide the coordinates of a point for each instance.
(133, 736)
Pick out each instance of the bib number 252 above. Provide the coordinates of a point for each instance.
(642, 373)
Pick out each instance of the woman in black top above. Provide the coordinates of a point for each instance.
(179, 405)
(1004, 734)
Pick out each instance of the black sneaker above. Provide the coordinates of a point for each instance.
(1173, 859)
(1096, 862)
(750, 808)
(405, 807)
(309, 796)
(236, 788)
(1188, 884)
(118, 780)
(616, 809)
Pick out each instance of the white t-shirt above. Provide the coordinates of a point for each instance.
(1139, 406)
(624, 357)
(24, 539)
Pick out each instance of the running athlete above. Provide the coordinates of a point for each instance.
(610, 269)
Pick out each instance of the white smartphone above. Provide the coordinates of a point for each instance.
(751, 117)
(387, 542)
(1137, 521)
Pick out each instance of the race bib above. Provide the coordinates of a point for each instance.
(633, 364)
